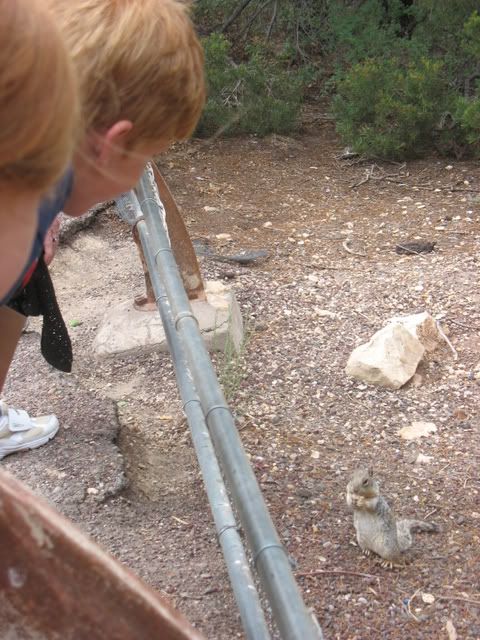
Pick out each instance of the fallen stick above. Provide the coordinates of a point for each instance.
(459, 599)
(445, 338)
(335, 572)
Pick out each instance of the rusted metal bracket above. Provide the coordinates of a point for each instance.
(57, 583)
(182, 248)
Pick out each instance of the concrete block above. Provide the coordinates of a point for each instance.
(124, 330)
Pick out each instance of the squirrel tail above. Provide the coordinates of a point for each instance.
(405, 528)
(419, 525)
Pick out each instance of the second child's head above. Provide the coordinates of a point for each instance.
(140, 70)
(38, 124)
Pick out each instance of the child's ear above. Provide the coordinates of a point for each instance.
(112, 142)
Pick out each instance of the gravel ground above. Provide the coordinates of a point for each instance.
(123, 467)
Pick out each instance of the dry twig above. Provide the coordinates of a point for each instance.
(410, 250)
(459, 599)
(326, 266)
(409, 602)
(460, 324)
(335, 572)
(450, 345)
(390, 177)
(367, 177)
(431, 513)
(447, 188)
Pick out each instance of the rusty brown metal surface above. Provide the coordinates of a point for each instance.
(182, 246)
(144, 302)
(57, 584)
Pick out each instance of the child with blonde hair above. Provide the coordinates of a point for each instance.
(141, 82)
(38, 128)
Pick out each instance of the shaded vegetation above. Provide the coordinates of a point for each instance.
(403, 75)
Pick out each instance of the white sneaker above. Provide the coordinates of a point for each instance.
(18, 431)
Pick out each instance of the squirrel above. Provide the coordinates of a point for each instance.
(375, 524)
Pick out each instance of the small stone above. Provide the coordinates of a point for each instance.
(417, 430)
(451, 631)
(417, 380)
(266, 225)
(325, 313)
(423, 459)
(315, 455)
(304, 492)
(459, 414)
(92, 491)
(410, 456)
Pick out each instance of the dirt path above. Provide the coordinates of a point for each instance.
(333, 278)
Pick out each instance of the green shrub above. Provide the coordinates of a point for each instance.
(385, 109)
(371, 29)
(470, 121)
(256, 96)
(464, 136)
(471, 35)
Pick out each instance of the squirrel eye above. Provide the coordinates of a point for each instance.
(365, 482)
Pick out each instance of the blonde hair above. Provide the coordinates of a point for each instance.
(38, 97)
(136, 60)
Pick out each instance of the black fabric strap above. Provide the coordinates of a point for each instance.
(38, 298)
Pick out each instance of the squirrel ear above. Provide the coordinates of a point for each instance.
(370, 472)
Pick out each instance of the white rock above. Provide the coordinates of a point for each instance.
(423, 459)
(389, 359)
(428, 598)
(451, 631)
(325, 313)
(417, 430)
(417, 380)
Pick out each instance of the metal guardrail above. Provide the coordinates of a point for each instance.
(205, 406)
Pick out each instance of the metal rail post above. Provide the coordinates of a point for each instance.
(241, 578)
